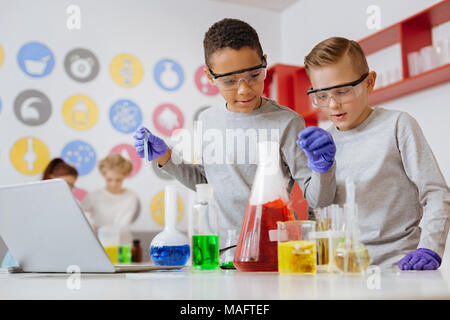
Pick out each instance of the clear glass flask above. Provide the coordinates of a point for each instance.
(170, 247)
(257, 247)
(351, 255)
(205, 230)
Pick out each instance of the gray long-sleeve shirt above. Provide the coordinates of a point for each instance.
(398, 186)
(231, 170)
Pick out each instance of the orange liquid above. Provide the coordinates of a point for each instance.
(255, 251)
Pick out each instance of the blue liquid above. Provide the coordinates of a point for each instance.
(170, 255)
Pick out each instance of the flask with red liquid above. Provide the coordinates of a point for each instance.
(257, 246)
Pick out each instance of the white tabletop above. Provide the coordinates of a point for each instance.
(227, 285)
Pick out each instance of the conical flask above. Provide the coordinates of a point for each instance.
(257, 245)
(170, 247)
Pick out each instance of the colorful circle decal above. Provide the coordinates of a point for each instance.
(129, 152)
(36, 59)
(168, 74)
(2, 55)
(81, 65)
(157, 208)
(81, 155)
(29, 156)
(202, 83)
(167, 118)
(126, 70)
(79, 194)
(125, 116)
(32, 107)
(80, 112)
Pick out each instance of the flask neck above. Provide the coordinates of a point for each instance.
(170, 207)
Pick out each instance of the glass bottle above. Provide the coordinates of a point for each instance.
(136, 251)
(257, 248)
(170, 247)
(205, 230)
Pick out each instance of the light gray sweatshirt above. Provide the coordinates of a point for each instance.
(398, 185)
(231, 170)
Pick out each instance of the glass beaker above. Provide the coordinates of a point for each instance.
(351, 255)
(257, 245)
(170, 247)
(205, 230)
(110, 238)
(228, 256)
(296, 247)
(329, 234)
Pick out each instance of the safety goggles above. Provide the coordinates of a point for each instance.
(343, 93)
(232, 80)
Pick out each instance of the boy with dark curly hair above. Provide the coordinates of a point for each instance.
(236, 65)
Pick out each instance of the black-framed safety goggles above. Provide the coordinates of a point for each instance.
(350, 84)
(216, 76)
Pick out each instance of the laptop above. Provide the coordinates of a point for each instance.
(46, 231)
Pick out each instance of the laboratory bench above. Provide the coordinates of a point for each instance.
(227, 285)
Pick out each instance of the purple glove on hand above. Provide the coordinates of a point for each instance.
(156, 146)
(319, 147)
(421, 259)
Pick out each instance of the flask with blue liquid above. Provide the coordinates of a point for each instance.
(170, 247)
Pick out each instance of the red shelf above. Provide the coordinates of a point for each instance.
(412, 84)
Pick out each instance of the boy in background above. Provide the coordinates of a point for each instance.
(398, 181)
(236, 65)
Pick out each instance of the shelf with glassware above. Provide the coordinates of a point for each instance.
(424, 63)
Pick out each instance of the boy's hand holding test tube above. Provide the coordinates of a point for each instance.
(144, 139)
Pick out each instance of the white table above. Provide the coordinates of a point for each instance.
(227, 285)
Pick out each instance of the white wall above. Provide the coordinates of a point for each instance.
(150, 30)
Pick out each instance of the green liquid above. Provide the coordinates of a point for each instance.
(124, 254)
(205, 252)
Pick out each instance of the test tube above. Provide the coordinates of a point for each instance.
(146, 162)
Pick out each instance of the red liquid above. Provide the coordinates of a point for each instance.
(255, 251)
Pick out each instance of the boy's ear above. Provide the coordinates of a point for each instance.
(208, 75)
(371, 78)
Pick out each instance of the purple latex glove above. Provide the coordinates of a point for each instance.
(319, 147)
(156, 146)
(421, 259)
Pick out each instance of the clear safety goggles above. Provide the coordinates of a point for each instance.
(343, 93)
(232, 80)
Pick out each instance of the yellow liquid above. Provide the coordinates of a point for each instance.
(358, 259)
(112, 253)
(297, 257)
